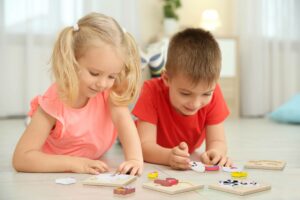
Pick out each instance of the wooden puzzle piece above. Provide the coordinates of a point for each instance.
(181, 186)
(265, 164)
(240, 187)
(124, 191)
(153, 175)
(168, 182)
(109, 179)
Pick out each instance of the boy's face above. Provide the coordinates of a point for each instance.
(186, 97)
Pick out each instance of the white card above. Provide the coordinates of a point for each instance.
(65, 181)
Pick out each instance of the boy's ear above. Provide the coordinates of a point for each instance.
(165, 78)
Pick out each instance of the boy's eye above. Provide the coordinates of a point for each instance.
(94, 74)
(185, 94)
(208, 94)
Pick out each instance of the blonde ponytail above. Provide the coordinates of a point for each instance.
(64, 65)
(127, 86)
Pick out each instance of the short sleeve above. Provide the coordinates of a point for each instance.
(217, 110)
(146, 108)
(49, 102)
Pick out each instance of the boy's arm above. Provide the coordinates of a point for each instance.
(28, 155)
(129, 138)
(215, 138)
(152, 152)
(216, 147)
(176, 157)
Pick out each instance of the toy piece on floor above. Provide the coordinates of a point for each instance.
(212, 167)
(240, 187)
(153, 175)
(124, 191)
(109, 179)
(265, 164)
(239, 174)
(232, 169)
(168, 182)
(197, 166)
(65, 181)
(177, 186)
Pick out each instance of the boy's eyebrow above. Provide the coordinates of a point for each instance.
(192, 92)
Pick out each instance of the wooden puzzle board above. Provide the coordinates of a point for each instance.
(182, 186)
(265, 164)
(240, 190)
(109, 179)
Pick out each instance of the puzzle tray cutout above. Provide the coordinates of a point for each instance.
(240, 190)
(265, 164)
(182, 186)
(117, 180)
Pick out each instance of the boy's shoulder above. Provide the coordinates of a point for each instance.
(154, 84)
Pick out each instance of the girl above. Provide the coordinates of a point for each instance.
(96, 70)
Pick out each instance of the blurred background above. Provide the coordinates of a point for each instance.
(260, 42)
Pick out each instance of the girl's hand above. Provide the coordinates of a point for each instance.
(213, 157)
(132, 167)
(179, 157)
(87, 166)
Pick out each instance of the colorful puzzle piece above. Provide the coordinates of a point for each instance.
(240, 187)
(168, 182)
(124, 190)
(181, 186)
(265, 164)
(239, 174)
(153, 175)
(197, 166)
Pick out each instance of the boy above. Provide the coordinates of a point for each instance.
(185, 106)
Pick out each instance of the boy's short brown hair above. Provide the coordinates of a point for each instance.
(195, 53)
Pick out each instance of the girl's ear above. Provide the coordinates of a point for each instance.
(165, 77)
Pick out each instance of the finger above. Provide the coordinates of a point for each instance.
(100, 166)
(229, 163)
(204, 158)
(180, 159)
(93, 171)
(120, 168)
(140, 171)
(183, 146)
(177, 151)
(180, 166)
(134, 171)
(223, 161)
(126, 169)
(215, 159)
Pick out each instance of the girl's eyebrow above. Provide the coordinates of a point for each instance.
(185, 90)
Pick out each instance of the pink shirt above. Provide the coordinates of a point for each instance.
(86, 132)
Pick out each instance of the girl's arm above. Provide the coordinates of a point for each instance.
(28, 155)
(129, 138)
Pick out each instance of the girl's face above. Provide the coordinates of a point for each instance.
(186, 97)
(99, 67)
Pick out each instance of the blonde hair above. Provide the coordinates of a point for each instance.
(71, 44)
(195, 53)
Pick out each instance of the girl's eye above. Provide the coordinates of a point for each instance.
(94, 74)
(111, 77)
(208, 94)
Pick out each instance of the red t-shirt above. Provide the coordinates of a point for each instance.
(154, 106)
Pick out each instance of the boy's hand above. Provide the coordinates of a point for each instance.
(179, 157)
(132, 167)
(87, 166)
(213, 157)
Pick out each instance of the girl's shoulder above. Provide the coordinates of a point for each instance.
(50, 102)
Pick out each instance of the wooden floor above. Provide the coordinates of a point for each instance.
(247, 139)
